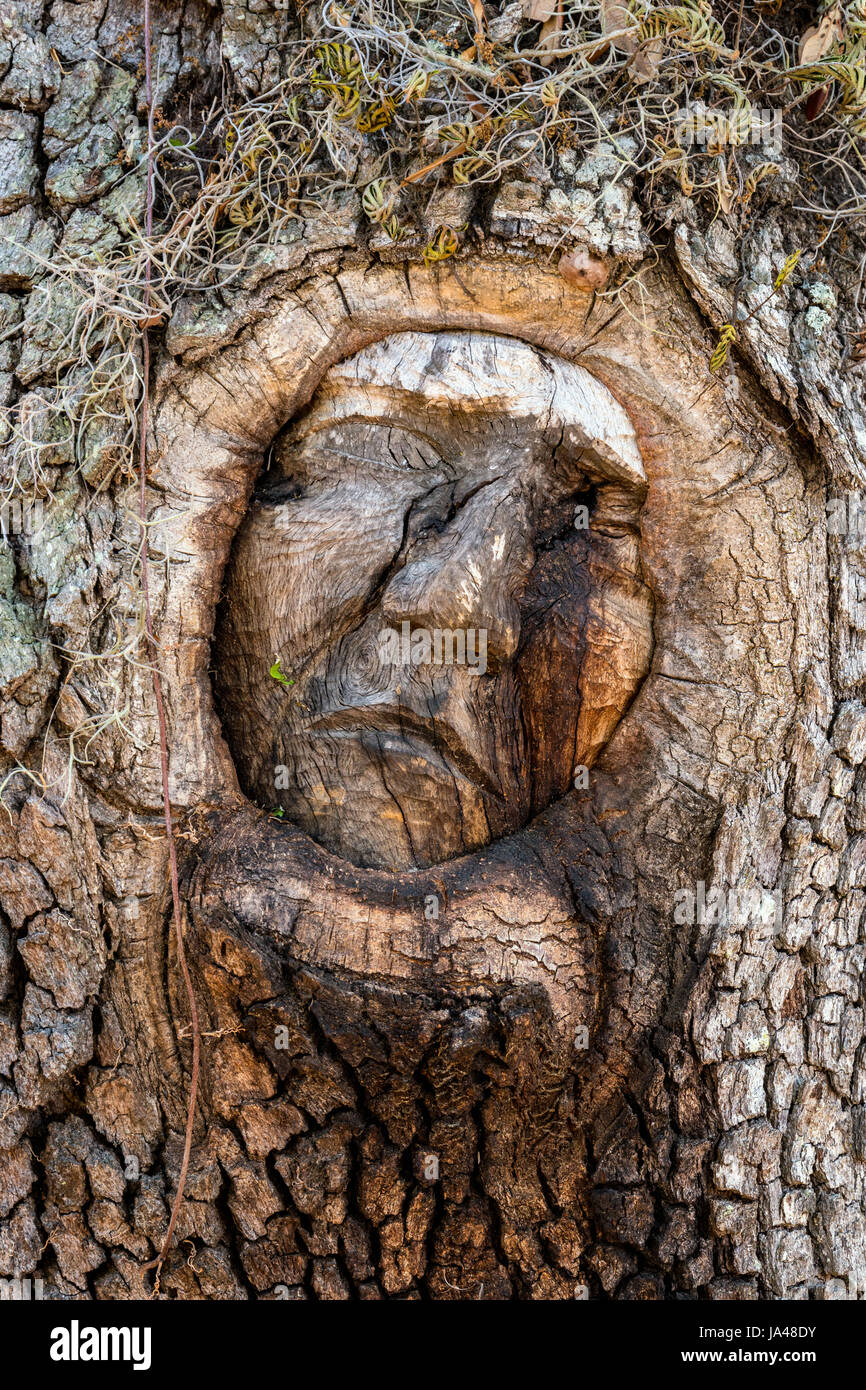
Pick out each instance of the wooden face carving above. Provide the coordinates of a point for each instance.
(436, 874)
(443, 555)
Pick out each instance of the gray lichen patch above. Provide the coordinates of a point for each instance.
(28, 671)
(90, 134)
(29, 71)
(19, 174)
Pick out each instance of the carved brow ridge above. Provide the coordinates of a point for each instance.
(488, 372)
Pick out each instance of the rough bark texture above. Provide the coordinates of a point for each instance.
(517, 1073)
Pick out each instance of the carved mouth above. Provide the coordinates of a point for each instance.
(409, 729)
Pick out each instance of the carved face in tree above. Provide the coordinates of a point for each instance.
(446, 958)
(386, 460)
(477, 938)
(444, 554)
(422, 633)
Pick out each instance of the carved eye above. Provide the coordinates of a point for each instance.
(442, 566)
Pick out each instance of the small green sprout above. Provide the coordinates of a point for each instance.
(279, 676)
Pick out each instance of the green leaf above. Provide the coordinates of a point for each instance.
(278, 675)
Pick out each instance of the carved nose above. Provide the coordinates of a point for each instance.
(467, 577)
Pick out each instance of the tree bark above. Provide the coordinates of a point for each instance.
(532, 1066)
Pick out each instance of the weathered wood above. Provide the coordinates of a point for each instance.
(422, 560)
(467, 1031)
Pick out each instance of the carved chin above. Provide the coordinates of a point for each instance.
(400, 804)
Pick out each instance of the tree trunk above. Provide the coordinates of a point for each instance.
(569, 1007)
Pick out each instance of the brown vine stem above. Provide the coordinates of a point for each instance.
(449, 154)
(154, 667)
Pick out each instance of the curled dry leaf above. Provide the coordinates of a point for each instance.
(644, 62)
(645, 58)
(615, 16)
(584, 270)
(549, 31)
(540, 9)
(858, 349)
(479, 15)
(616, 19)
(818, 40)
(724, 191)
(817, 101)
(551, 28)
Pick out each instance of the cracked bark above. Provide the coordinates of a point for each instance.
(709, 1140)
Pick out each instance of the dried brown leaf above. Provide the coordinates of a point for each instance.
(817, 101)
(818, 40)
(584, 270)
(858, 350)
(724, 192)
(614, 15)
(480, 16)
(646, 60)
(550, 31)
(540, 9)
